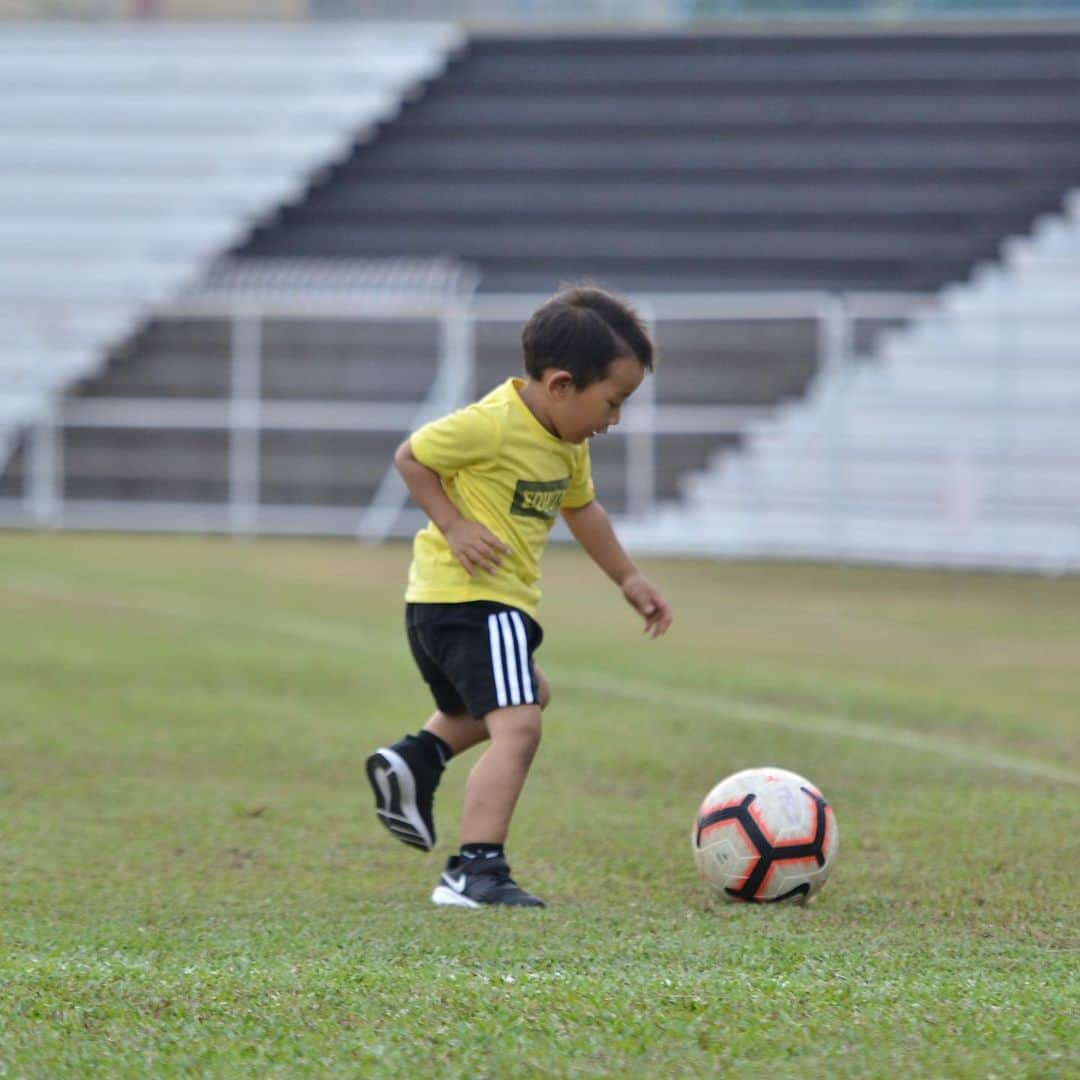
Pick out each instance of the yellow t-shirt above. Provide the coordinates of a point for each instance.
(500, 466)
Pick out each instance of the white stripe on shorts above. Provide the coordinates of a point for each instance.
(523, 656)
(496, 660)
(510, 655)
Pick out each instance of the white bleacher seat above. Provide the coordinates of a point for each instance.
(61, 280)
(155, 153)
(1041, 384)
(986, 490)
(132, 155)
(956, 444)
(104, 198)
(184, 114)
(169, 239)
(54, 325)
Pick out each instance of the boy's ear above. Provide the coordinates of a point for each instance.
(559, 383)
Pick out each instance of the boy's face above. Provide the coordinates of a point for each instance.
(579, 414)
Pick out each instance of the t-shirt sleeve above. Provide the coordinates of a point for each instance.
(456, 441)
(581, 491)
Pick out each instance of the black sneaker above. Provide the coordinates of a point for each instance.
(474, 883)
(404, 785)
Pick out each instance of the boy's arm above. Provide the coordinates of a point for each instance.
(474, 546)
(592, 529)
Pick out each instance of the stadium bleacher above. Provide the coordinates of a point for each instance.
(957, 444)
(704, 162)
(659, 164)
(132, 155)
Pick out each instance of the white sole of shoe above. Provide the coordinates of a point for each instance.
(448, 898)
(405, 821)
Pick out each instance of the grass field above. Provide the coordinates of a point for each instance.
(193, 882)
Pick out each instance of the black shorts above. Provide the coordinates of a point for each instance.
(476, 656)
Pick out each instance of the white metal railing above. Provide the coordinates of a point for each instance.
(983, 469)
(246, 413)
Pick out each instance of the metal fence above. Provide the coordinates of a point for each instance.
(246, 414)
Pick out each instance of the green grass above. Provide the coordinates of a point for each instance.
(193, 882)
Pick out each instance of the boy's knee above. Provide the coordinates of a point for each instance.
(519, 726)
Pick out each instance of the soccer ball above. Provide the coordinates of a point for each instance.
(765, 835)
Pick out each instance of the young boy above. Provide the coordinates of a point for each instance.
(492, 477)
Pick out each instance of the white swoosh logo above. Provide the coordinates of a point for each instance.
(457, 884)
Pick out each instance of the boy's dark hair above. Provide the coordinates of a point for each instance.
(582, 329)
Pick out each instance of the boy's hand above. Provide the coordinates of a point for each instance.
(475, 547)
(645, 599)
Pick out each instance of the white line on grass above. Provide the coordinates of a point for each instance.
(810, 723)
(325, 632)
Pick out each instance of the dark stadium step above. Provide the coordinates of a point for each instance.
(403, 221)
(525, 158)
(329, 360)
(301, 467)
(779, 198)
(834, 109)
(770, 61)
(611, 241)
(530, 154)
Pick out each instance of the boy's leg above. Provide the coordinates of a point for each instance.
(496, 780)
(458, 730)
(480, 876)
(461, 732)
